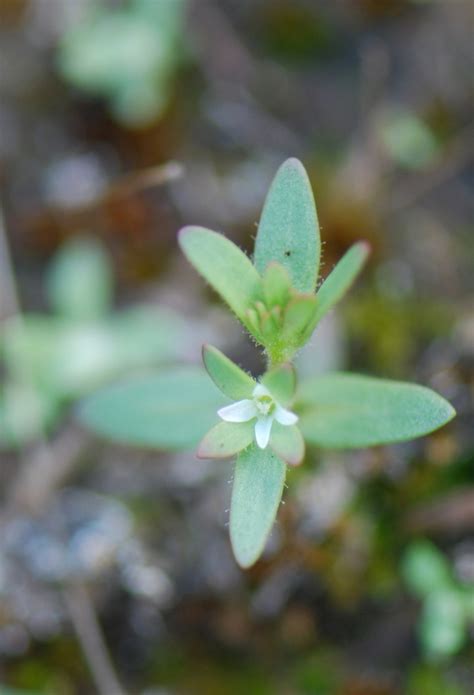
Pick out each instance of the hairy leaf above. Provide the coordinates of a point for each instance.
(347, 410)
(169, 409)
(258, 486)
(227, 376)
(226, 439)
(224, 266)
(287, 443)
(340, 279)
(288, 231)
(276, 284)
(281, 382)
(298, 315)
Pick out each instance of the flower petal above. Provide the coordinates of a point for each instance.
(284, 416)
(239, 412)
(263, 427)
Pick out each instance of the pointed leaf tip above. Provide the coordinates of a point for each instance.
(350, 411)
(340, 280)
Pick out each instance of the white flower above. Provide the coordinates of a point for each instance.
(264, 408)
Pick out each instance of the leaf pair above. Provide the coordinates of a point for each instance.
(51, 359)
(275, 297)
(173, 409)
(228, 438)
(259, 474)
(448, 604)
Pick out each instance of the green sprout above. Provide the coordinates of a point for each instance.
(267, 422)
(49, 360)
(126, 55)
(447, 603)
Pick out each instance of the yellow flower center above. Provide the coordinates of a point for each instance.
(265, 404)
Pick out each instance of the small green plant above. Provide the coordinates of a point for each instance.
(447, 603)
(52, 359)
(266, 422)
(126, 55)
(408, 140)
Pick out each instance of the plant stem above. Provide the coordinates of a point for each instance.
(87, 628)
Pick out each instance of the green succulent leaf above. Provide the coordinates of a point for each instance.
(79, 281)
(287, 442)
(70, 358)
(89, 354)
(283, 337)
(340, 279)
(225, 267)
(252, 322)
(28, 347)
(281, 382)
(227, 376)
(127, 55)
(425, 569)
(298, 315)
(409, 141)
(171, 409)
(270, 325)
(25, 413)
(258, 486)
(288, 232)
(276, 285)
(144, 335)
(443, 625)
(226, 439)
(347, 410)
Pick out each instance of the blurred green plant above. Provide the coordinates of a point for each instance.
(408, 140)
(447, 603)
(265, 423)
(127, 55)
(51, 359)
